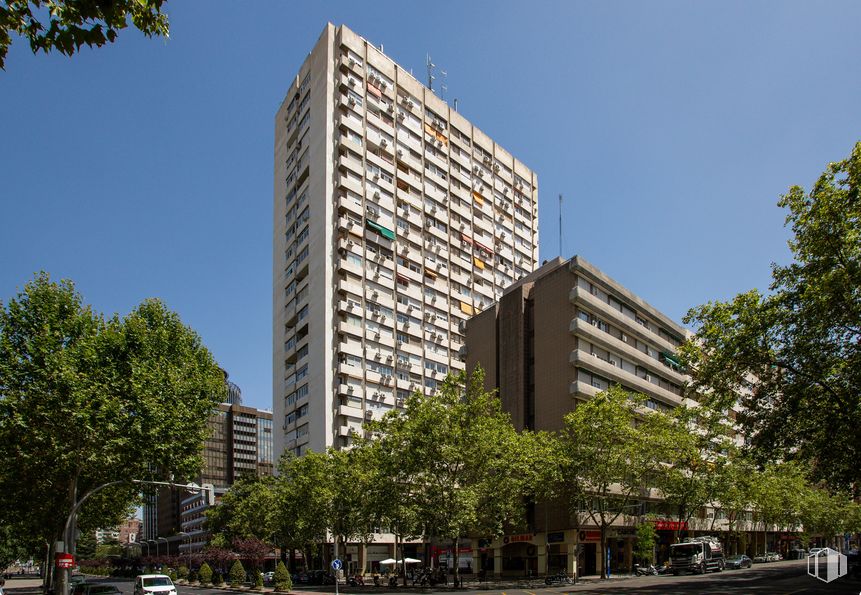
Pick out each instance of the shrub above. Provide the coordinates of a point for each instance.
(205, 574)
(217, 579)
(192, 576)
(182, 572)
(172, 575)
(258, 579)
(282, 579)
(237, 574)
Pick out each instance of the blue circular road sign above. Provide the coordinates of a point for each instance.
(336, 564)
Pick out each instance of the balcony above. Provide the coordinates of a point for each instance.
(578, 295)
(615, 374)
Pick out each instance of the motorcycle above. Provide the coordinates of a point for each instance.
(356, 581)
(561, 578)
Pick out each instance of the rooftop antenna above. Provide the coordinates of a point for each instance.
(430, 66)
(560, 226)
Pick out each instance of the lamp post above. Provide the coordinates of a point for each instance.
(167, 543)
(64, 577)
(156, 546)
(146, 543)
(183, 534)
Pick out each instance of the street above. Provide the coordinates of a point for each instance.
(778, 578)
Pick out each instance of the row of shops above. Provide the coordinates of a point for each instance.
(533, 554)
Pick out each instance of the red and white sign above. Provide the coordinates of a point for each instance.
(65, 560)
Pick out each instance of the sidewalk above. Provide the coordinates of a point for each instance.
(22, 585)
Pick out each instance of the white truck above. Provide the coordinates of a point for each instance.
(697, 554)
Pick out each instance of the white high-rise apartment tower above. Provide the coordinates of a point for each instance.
(395, 220)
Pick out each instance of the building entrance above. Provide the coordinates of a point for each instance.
(590, 559)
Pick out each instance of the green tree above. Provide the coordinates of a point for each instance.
(282, 579)
(244, 512)
(87, 545)
(82, 398)
(734, 496)
(610, 451)
(647, 537)
(777, 493)
(796, 351)
(457, 456)
(205, 574)
(303, 502)
(698, 439)
(237, 574)
(66, 25)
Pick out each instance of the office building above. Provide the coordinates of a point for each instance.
(240, 445)
(563, 334)
(395, 220)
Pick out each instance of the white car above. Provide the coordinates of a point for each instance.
(152, 584)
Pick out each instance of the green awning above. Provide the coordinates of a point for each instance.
(671, 358)
(383, 231)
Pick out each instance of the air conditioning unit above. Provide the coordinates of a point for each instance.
(495, 167)
(647, 378)
(612, 362)
(400, 343)
(391, 108)
(376, 194)
(389, 358)
(369, 414)
(377, 335)
(624, 337)
(410, 103)
(351, 101)
(350, 388)
(401, 115)
(352, 62)
(383, 142)
(376, 175)
(400, 152)
(352, 82)
(375, 293)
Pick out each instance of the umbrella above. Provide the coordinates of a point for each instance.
(389, 561)
(412, 561)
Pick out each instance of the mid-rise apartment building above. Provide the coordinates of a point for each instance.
(565, 333)
(395, 220)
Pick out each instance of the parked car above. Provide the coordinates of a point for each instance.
(773, 557)
(741, 561)
(150, 584)
(814, 550)
(94, 589)
(268, 577)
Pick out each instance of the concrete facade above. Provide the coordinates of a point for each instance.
(395, 219)
(563, 334)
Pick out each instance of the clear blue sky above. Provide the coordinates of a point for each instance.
(145, 168)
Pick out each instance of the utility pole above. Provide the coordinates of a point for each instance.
(67, 545)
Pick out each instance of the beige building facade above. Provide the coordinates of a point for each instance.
(395, 220)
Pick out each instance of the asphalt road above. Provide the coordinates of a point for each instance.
(777, 578)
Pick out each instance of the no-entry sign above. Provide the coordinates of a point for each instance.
(65, 560)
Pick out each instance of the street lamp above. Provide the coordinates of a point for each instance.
(166, 543)
(183, 534)
(146, 543)
(156, 546)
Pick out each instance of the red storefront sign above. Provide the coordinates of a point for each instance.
(667, 525)
(589, 536)
(64, 560)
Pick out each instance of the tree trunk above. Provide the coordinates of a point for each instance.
(456, 558)
(604, 551)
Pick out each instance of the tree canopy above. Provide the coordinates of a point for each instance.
(795, 352)
(66, 25)
(86, 400)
